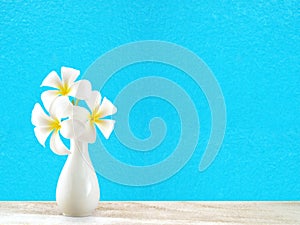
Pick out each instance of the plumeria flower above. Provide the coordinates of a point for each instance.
(94, 118)
(66, 86)
(52, 124)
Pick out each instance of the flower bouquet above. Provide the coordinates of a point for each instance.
(77, 192)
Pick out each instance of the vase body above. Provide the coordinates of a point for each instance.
(77, 191)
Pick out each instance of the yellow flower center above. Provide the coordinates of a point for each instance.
(64, 89)
(55, 125)
(95, 117)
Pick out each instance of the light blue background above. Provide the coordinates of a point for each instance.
(253, 50)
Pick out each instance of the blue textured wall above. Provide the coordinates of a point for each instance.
(253, 50)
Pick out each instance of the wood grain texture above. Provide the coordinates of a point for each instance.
(156, 213)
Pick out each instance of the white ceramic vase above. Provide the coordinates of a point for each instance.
(77, 191)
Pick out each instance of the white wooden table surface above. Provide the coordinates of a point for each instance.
(156, 213)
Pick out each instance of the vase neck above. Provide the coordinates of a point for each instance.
(80, 149)
(78, 145)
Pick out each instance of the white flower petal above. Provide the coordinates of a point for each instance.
(80, 113)
(81, 89)
(39, 117)
(42, 134)
(89, 134)
(61, 107)
(48, 98)
(72, 128)
(69, 75)
(106, 127)
(94, 100)
(57, 146)
(51, 80)
(106, 108)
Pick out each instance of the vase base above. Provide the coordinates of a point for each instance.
(77, 215)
